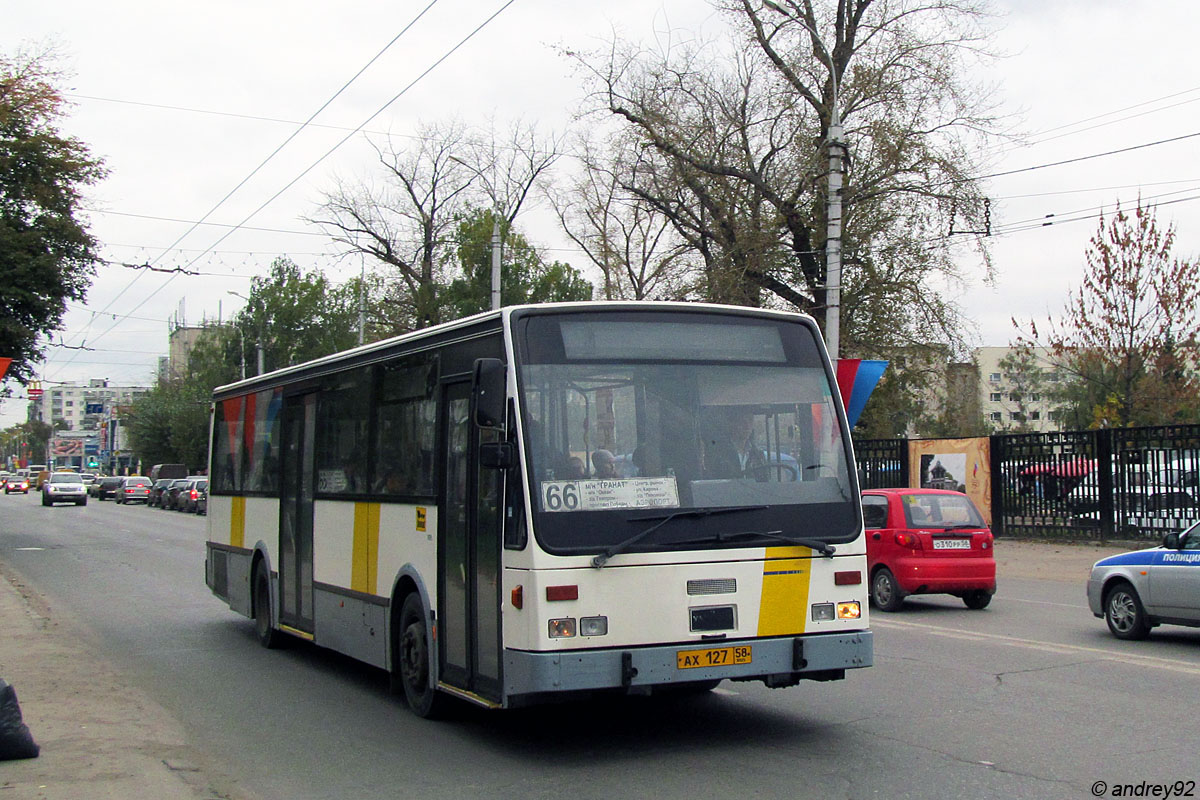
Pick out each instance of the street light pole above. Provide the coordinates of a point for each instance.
(833, 233)
(260, 345)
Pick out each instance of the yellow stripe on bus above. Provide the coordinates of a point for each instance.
(784, 606)
(237, 523)
(364, 563)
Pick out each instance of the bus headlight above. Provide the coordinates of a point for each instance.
(562, 628)
(822, 612)
(850, 610)
(593, 626)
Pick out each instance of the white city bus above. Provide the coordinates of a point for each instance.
(542, 500)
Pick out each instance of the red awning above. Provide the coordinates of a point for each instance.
(1076, 468)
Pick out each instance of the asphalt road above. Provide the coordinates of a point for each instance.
(1030, 698)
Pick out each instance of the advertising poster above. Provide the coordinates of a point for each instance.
(961, 465)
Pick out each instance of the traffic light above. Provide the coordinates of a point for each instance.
(92, 463)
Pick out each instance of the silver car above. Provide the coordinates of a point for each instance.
(64, 487)
(1139, 590)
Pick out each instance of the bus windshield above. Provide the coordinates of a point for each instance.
(628, 416)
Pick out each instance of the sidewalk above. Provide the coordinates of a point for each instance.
(100, 737)
(1053, 561)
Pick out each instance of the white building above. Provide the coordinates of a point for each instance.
(81, 406)
(1012, 390)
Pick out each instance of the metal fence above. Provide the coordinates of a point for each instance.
(1126, 483)
(881, 462)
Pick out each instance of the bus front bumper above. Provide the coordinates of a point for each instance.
(778, 662)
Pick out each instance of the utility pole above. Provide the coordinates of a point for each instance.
(495, 261)
(833, 235)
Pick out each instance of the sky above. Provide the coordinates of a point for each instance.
(184, 105)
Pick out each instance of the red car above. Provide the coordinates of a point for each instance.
(927, 541)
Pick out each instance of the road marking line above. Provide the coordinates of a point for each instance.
(1044, 603)
(1157, 662)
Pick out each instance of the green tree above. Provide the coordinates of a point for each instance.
(295, 316)
(524, 276)
(169, 424)
(47, 256)
(1127, 334)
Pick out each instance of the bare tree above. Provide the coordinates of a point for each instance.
(738, 140)
(508, 170)
(406, 221)
(631, 243)
(403, 221)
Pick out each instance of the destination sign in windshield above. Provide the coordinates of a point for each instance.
(608, 495)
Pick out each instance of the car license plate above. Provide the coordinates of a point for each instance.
(715, 657)
(951, 544)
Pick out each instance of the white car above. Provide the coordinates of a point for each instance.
(1142, 589)
(64, 487)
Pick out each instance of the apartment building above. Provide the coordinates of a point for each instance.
(82, 406)
(1013, 388)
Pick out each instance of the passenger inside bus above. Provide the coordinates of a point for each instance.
(605, 465)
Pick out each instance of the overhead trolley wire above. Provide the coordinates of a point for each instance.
(241, 183)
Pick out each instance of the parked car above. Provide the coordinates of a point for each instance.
(190, 493)
(927, 541)
(171, 493)
(202, 500)
(134, 489)
(64, 487)
(109, 486)
(156, 491)
(1142, 589)
(17, 483)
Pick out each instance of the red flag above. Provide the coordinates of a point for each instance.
(4, 362)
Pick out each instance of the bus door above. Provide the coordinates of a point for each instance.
(296, 512)
(468, 553)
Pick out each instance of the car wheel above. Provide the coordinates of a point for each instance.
(268, 636)
(83, 502)
(1124, 613)
(977, 599)
(412, 657)
(885, 592)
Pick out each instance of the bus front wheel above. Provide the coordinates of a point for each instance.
(412, 656)
(268, 637)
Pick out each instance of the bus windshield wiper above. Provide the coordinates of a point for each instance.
(620, 547)
(824, 548)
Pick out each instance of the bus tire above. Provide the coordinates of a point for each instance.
(268, 636)
(412, 659)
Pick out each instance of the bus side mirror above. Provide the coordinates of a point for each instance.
(496, 455)
(487, 390)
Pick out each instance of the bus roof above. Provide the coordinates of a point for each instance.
(376, 351)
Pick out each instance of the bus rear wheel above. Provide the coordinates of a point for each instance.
(412, 657)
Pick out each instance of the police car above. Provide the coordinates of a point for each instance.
(1137, 591)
